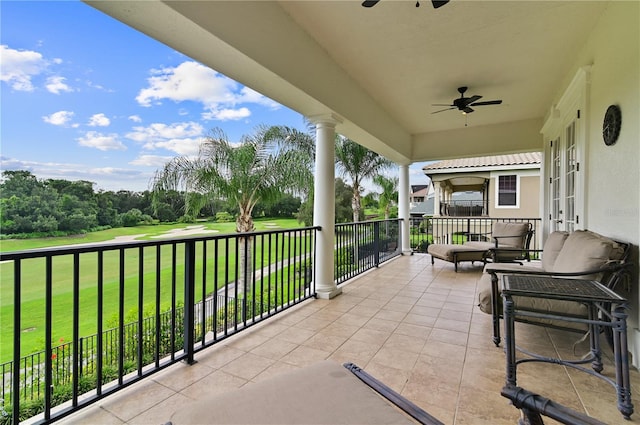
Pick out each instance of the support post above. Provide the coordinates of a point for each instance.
(324, 206)
(403, 209)
(189, 297)
(436, 199)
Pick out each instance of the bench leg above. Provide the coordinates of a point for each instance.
(495, 308)
(625, 406)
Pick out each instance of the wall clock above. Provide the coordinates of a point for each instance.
(611, 125)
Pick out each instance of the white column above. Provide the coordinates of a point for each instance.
(403, 208)
(436, 199)
(324, 206)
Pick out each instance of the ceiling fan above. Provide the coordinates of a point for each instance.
(464, 104)
(436, 3)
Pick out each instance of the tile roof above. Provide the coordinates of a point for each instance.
(487, 161)
(422, 192)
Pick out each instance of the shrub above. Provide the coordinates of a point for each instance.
(224, 217)
(422, 246)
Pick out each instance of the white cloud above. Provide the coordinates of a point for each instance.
(182, 138)
(94, 139)
(98, 86)
(187, 81)
(158, 131)
(135, 118)
(184, 147)
(99, 120)
(191, 81)
(56, 85)
(151, 160)
(227, 114)
(61, 118)
(18, 67)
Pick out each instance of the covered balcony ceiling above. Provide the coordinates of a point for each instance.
(464, 182)
(379, 70)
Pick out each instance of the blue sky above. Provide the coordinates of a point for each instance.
(84, 97)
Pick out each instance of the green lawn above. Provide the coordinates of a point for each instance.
(147, 233)
(33, 285)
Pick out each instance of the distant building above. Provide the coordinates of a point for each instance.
(493, 186)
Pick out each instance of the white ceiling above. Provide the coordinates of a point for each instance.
(380, 69)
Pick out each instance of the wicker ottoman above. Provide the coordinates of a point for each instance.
(456, 253)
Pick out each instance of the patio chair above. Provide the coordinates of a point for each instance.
(510, 242)
(512, 239)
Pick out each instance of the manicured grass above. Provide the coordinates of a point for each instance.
(33, 281)
(146, 233)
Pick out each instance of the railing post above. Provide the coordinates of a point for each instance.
(17, 316)
(189, 296)
(376, 243)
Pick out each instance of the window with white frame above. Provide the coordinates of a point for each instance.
(507, 191)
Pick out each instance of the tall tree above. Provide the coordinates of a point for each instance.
(389, 195)
(257, 169)
(358, 163)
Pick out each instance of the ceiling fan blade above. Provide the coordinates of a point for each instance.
(442, 110)
(469, 100)
(488, 102)
(467, 110)
(436, 3)
(370, 3)
(441, 104)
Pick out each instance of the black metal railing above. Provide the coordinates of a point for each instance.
(458, 230)
(363, 246)
(31, 367)
(128, 310)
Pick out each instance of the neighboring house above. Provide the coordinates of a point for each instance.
(419, 193)
(493, 186)
(420, 203)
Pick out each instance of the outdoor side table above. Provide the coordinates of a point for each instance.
(606, 310)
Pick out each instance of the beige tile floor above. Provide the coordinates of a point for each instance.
(412, 325)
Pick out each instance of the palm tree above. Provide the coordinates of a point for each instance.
(259, 168)
(358, 163)
(389, 195)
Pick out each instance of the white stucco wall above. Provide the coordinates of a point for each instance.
(612, 179)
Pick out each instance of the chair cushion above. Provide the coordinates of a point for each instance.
(510, 234)
(448, 252)
(585, 250)
(480, 245)
(322, 393)
(560, 307)
(552, 247)
(530, 303)
(484, 284)
(484, 293)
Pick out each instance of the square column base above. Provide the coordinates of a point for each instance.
(327, 295)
